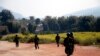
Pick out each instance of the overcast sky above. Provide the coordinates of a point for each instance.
(41, 8)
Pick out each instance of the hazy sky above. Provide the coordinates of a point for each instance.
(41, 8)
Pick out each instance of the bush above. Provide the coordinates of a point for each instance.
(26, 39)
(81, 38)
(87, 38)
(8, 38)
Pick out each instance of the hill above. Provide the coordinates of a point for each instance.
(16, 15)
(95, 11)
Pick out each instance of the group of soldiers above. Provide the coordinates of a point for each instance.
(36, 41)
(68, 42)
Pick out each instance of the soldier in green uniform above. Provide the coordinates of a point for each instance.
(69, 44)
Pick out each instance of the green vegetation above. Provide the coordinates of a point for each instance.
(48, 24)
(82, 38)
(87, 38)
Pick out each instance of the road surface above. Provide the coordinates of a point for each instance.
(26, 49)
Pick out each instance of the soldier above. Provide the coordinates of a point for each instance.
(36, 41)
(69, 44)
(72, 42)
(0, 36)
(16, 40)
(57, 38)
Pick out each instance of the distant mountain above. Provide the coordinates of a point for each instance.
(16, 15)
(91, 11)
(1, 8)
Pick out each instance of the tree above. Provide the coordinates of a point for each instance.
(71, 23)
(47, 21)
(15, 27)
(32, 20)
(6, 16)
(52, 23)
(37, 21)
(23, 30)
(31, 28)
(45, 26)
(61, 22)
(84, 23)
(97, 24)
(55, 25)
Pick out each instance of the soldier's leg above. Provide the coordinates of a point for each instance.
(38, 46)
(35, 46)
(58, 43)
(16, 44)
(68, 55)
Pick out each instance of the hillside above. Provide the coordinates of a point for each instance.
(16, 15)
(91, 11)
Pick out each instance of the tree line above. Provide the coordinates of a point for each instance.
(48, 24)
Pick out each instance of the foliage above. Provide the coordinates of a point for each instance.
(31, 28)
(81, 38)
(6, 15)
(50, 24)
(97, 24)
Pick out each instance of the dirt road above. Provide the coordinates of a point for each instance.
(9, 49)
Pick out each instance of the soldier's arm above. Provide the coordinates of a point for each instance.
(38, 39)
(64, 42)
(55, 38)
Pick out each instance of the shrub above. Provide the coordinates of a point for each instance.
(81, 38)
(8, 38)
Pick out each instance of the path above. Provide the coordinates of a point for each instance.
(9, 49)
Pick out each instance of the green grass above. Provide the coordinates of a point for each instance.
(82, 38)
(87, 38)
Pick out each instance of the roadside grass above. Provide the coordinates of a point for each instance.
(81, 38)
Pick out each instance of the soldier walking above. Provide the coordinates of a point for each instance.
(57, 38)
(36, 42)
(69, 44)
(16, 40)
